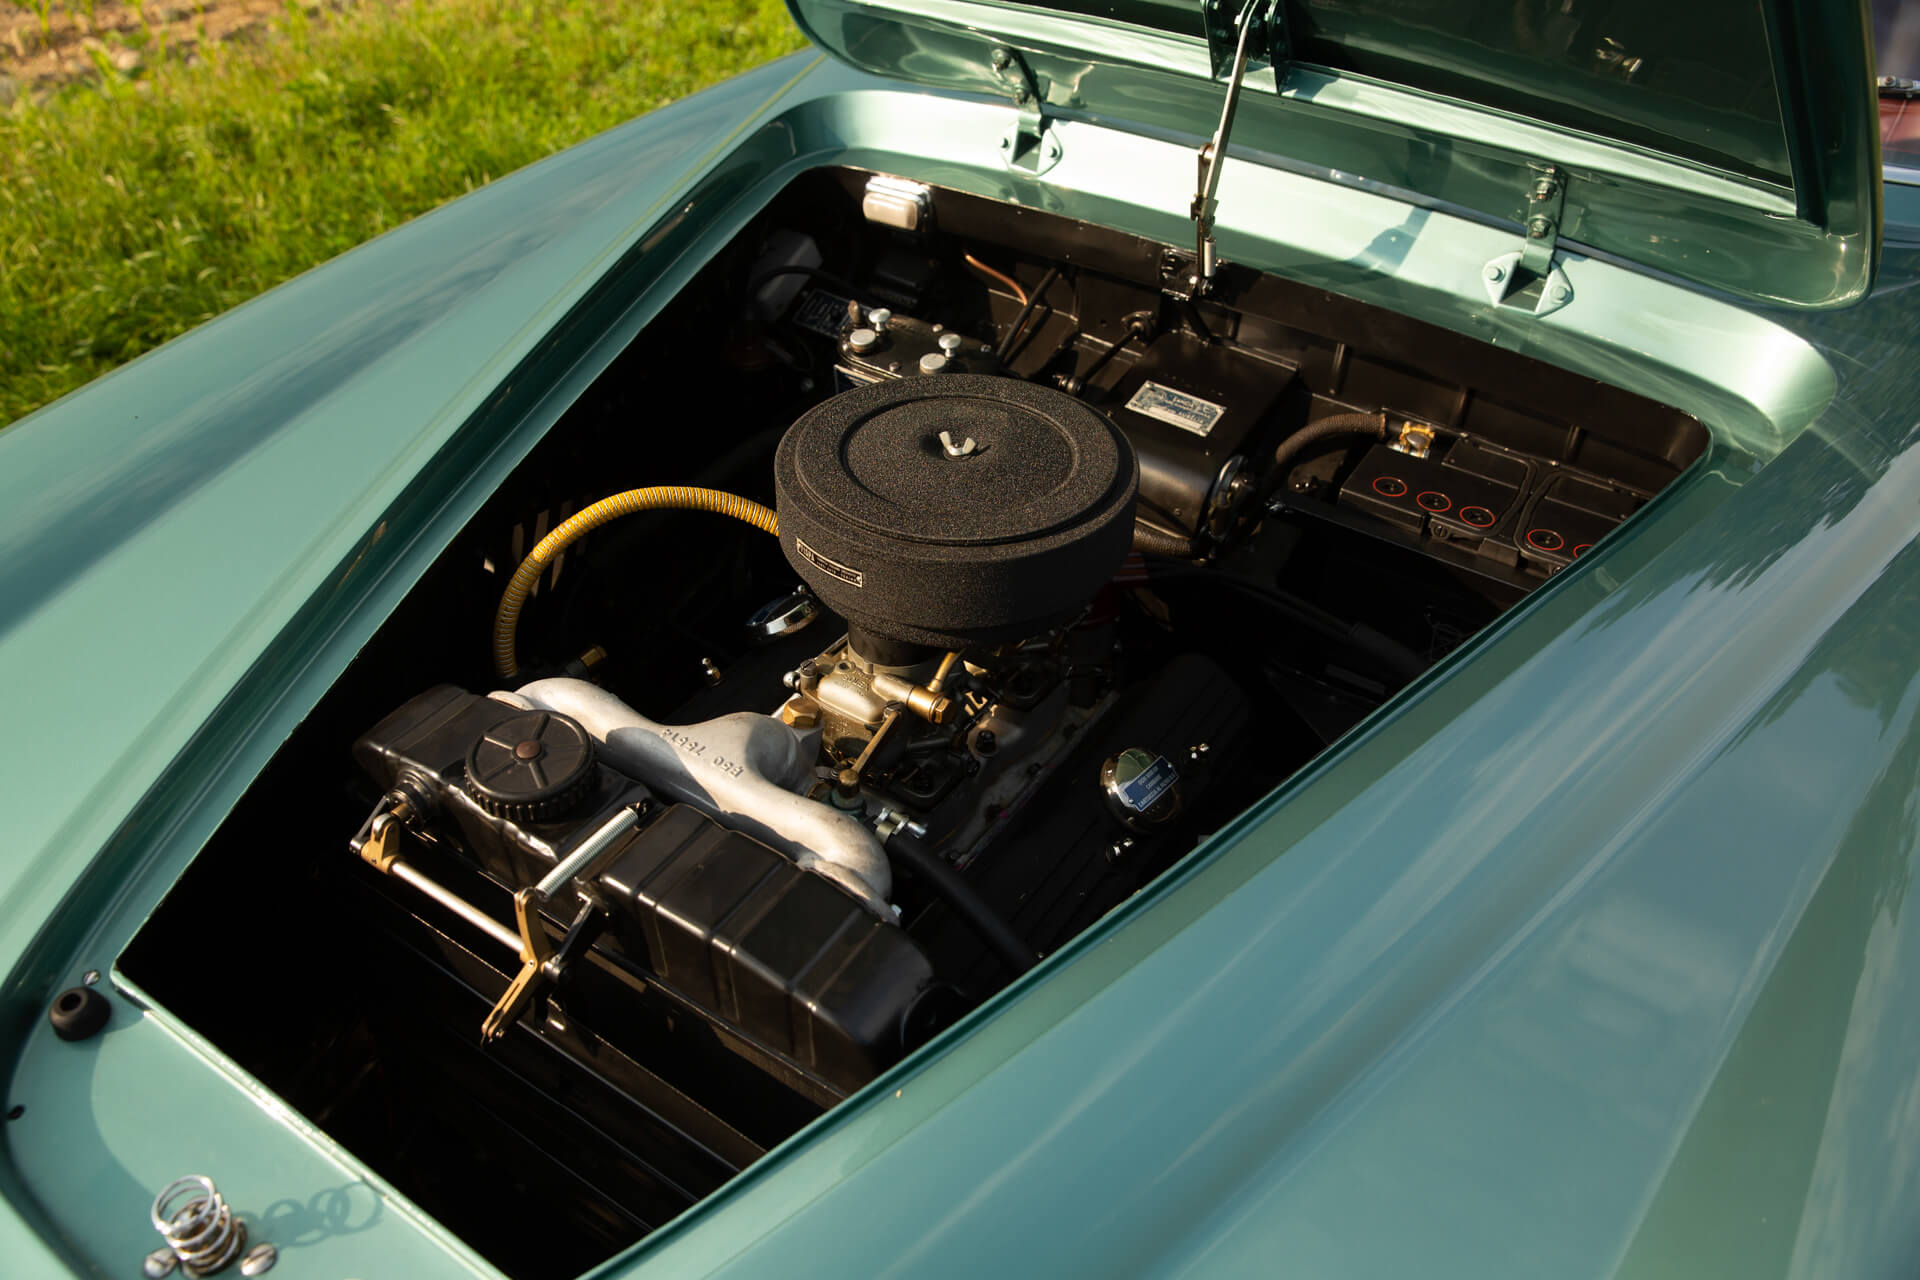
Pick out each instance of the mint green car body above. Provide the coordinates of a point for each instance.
(1586, 957)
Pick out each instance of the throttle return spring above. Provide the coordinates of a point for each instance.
(196, 1222)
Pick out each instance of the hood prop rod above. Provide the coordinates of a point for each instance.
(1213, 156)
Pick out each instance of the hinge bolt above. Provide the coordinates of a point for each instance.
(1495, 274)
(1539, 228)
(1000, 58)
(1561, 293)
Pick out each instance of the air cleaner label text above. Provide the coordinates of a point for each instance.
(846, 573)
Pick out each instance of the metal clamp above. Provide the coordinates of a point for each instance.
(890, 822)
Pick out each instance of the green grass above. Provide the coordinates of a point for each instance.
(133, 210)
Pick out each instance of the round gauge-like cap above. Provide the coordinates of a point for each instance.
(531, 767)
(1142, 788)
(999, 530)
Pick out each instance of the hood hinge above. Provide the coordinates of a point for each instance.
(1255, 36)
(1269, 45)
(1029, 145)
(1531, 278)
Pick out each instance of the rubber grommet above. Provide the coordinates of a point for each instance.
(79, 1013)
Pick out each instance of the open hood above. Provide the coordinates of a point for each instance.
(1728, 142)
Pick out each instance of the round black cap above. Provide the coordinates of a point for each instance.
(531, 767)
(79, 1013)
(955, 509)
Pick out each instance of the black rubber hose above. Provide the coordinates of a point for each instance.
(1370, 426)
(938, 875)
(1026, 313)
(1105, 358)
(1383, 649)
(1149, 541)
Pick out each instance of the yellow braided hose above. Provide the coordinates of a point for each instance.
(506, 620)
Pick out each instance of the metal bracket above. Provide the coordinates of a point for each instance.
(380, 836)
(1542, 295)
(1540, 215)
(1029, 146)
(1531, 277)
(1270, 44)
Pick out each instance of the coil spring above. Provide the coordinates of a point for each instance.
(196, 1222)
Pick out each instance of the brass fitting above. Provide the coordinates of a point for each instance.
(1415, 439)
(926, 701)
(800, 712)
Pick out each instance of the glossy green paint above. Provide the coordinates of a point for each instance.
(1810, 243)
(187, 538)
(1508, 1003)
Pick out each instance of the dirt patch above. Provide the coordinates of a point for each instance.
(75, 39)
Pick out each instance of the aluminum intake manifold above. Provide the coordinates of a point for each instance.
(747, 770)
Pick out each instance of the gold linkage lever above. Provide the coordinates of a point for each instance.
(541, 962)
(536, 951)
(382, 845)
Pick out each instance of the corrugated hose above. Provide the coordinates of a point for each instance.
(506, 620)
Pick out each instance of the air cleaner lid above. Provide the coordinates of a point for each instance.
(955, 509)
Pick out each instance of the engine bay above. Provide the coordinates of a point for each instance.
(926, 579)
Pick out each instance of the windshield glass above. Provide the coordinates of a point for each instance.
(1896, 45)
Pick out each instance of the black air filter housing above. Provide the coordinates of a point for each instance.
(910, 543)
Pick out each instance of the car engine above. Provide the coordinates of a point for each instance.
(977, 574)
